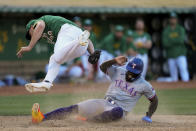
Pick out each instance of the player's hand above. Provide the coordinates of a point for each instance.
(121, 60)
(138, 44)
(147, 119)
(22, 50)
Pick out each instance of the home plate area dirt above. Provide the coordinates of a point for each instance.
(131, 123)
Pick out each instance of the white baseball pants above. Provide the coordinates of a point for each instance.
(181, 64)
(66, 48)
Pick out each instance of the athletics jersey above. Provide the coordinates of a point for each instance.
(52, 27)
(126, 94)
(141, 39)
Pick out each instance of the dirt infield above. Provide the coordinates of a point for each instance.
(132, 123)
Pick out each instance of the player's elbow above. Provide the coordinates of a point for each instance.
(103, 69)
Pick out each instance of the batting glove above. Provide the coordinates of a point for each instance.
(147, 119)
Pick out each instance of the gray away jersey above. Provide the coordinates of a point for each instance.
(126, 94)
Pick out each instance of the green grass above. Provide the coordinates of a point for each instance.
(171, 101)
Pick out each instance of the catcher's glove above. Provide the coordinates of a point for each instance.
(93, 58)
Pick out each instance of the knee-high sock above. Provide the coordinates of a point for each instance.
(53, 70)
(108, 116)
(61, 112)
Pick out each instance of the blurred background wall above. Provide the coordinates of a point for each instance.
(14, 14)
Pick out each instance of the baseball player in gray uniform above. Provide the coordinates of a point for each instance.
(125, 90)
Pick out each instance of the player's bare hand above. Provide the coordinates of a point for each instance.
(138, 44)
(121, 60)
(22, 50)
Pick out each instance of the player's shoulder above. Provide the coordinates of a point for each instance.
(120, 70)
(115, 72)
(39, 20)
(144, 82)
(108, 37)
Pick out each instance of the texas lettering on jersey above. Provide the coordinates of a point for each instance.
(124, 86)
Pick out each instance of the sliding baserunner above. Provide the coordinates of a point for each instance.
(125, 90)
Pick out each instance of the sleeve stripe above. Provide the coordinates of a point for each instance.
(152, 97)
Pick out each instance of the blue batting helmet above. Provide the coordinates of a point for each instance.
(135, 66)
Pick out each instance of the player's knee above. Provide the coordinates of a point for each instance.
(117, 113)
(58, 60)
(53, 59)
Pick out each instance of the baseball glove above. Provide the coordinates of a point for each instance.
(93, 58)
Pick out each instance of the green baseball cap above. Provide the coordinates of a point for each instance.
(129, 33)
(119, 28)
(28, 26)
(76, 18)
(88, 22)
(173, 15)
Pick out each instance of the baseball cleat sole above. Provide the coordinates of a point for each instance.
(29, 87)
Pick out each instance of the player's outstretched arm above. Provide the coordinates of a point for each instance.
(120, 60)
(152, 108)
(36, 34)
(104, 66)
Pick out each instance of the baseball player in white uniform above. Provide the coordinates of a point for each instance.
(70, 42)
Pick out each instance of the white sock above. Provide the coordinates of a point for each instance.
(53, 70)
